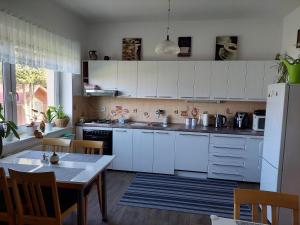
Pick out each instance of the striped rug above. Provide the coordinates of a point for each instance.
(201, 196)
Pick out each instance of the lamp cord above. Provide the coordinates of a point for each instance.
(168, 27)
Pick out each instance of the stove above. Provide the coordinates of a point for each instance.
(102, 122)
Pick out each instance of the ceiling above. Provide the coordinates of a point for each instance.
(155, 10)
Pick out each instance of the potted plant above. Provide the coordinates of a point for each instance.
(62, 119)
(289, 70)
(7, 128)
(49, 115)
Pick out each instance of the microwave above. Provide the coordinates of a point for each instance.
(259, 122)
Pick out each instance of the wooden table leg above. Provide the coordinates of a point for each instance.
(104, 197)
(80, 208)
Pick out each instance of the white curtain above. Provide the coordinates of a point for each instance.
(25, 43)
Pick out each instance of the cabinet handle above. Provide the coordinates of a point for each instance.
(150, 96)
(165, 97)
(227, 173)
(228, 164)
(235, 98)
(219, 98)
(229, 147)
(147, 132)
(201, 97)
(183, 134)
(229, 156)
(121, 131)
(162, 133)
(220, 136)
(186, 97)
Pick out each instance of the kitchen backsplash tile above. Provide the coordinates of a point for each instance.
(144, 109)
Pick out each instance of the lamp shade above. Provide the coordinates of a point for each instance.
(167, 47)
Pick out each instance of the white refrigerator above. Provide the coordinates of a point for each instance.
(281, 151)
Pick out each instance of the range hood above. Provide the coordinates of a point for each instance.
(99, 92)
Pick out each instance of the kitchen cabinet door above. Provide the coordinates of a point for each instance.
(122, 149)
(164, 152)
(143, 150)
(104, 74)
(191, 151)
(202, 84)
(167, 86)
(147, 79)
(219, 80)
(271, 76)
(254, 148)
(254, 80)
(186, 80)
(127, 78)
(236, 80)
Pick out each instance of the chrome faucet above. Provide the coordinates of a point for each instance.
(159, 112)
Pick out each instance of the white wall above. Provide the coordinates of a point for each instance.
(49, 15)
(291, 25)
(258, 39)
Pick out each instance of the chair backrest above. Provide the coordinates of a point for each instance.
(8, 214)
(88, 147)
(265, 198)
(33, 194)
(57, 144)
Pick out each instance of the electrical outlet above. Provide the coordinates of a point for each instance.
(103, 109)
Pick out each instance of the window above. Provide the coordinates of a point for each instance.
(28, 89)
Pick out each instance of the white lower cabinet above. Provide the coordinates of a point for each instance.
(164, 152)
(142, 160)
(191, 151)
(235, 157)
(122, 149)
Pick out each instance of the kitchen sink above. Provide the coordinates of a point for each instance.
(157, 125)
(141, 124)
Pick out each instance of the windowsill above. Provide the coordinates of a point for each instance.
(25, 141)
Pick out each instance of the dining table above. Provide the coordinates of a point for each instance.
(74, 171)
(216, 220)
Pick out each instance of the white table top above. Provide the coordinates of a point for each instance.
(82, 174)
(215, 220)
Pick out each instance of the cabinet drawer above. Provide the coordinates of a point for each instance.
(228, 149)
(227, 158)
(220, 139)
(226, 172)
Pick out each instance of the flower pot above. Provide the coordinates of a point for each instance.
(61, 122)
(293, 71)
(48, 127)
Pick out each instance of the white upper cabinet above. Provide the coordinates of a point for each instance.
(127, 78)
(167, 86)
(147, 79)
(219, 80)
(104, 74)
(202, 80)
(186, 80)
(271, 76)
(236, 80)
(254, 80)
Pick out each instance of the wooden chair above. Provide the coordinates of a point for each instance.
(57, 144)
(90, 147)
(265, 198)
(8, 214)
(32, 202)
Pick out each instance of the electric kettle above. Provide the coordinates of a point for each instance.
(220, 120)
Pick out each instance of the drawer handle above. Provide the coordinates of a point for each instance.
(202, 97)
(220, 136)
(186, 97)
(227, 173)
(229, 147)
(228, 164)
(165, 96)
(229, 156)
(150, 96)
(121, 131)
(162, 133)
(147, 132)
(195, 135)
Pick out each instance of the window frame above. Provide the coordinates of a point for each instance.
(10, 94)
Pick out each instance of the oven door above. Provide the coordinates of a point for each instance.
(100, 135)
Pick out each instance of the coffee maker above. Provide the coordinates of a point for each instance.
(220, 120)
(241, 120)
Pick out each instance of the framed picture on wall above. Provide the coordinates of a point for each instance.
(131, 48)
(185, 45)
(226, 48)
(298, 39)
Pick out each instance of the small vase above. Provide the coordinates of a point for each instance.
(54, 159)
(48, 127)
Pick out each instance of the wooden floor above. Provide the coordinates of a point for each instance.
(117, 184)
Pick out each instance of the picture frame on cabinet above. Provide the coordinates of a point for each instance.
(131, 48)
(298, 40)
(185, 45)
(226, 48)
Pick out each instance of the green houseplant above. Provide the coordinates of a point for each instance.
(7, 128)
(62, 119)
(49, 116)
(289, 70)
